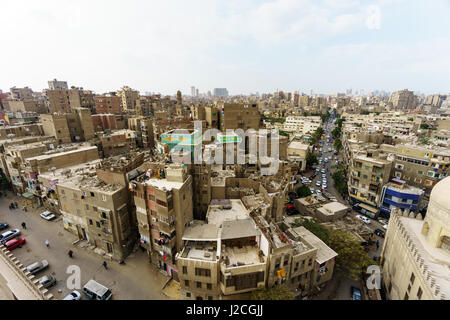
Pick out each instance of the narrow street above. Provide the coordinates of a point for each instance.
(136, 279)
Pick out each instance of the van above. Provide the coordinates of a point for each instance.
(95, 291)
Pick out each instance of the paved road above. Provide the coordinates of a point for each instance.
(137, 279)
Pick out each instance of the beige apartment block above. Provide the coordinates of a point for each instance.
(117, 142)
(419, 166)
(57, 85)
(58, 100)
(242, 116)
(164, 208)
(21, 93)
(16, 131)
(79, 98)
(69, 127)
(212, 117)
(367, 175)
(297, 151)
(144, 131)
(403, 99)
(34, 105)
(415, 257)
(144, 106)
(129, 97)
(96, 211)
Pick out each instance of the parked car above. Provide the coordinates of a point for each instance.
(37, 266)
(15, 243)
(47, 215)
(47, 281)
(363, 219)
(318, 183)
(292, 212)
(318, 191)
(323, 170)
(355, 293)
(8, 235)
(74, 295)
(385, 227)
(3, 225)
(289, 207)
(379, 233)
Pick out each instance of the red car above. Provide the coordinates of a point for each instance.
(289, 207)
(14, 243)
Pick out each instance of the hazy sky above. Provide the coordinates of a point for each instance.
(243, 45)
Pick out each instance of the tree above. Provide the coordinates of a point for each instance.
(311, 159)
(424, 126)
(314, 227)
(351, 259)
(303, 191)
(280, 292)
(338, 144)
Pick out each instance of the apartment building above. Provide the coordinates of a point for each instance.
(24, 130)
(96, 211)
(144, 105)
(102, 122)
(58, 101)
(367, 175)
(238, 115)
(212, 116)
(419, 166)
(398, 194)
(21, 93)
(79, 98)
(108, 103)
(32, 105)
(302, 125)
(57, 85)
(415, 258)
(69, 127)
(182, 141)
(128, 97)
(15, 156)
(144, 131)
(297, 151)
(164, 208)
(222, 256)
(117, 143)
(403, 99)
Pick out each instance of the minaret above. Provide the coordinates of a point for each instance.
(179, 101)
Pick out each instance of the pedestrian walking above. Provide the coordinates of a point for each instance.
(24, 225)
(105, 265)
(70, 253)
(47, 243)
(378, 244)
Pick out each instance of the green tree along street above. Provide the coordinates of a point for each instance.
(284, 133)
(340, 182)
(338, 144)
(424, 126)
(280, 292)
(315, 138)
(303, 191)
(351, 259)
(311, 159)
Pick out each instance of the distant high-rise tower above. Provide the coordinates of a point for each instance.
(196, 92)
(193, 91)
(220, 92)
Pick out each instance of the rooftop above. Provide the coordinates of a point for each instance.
(226, 210)
(239, 229)
(324, 253)
(200, 230)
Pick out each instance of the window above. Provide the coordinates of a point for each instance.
(310, 262)
(199, 284)
(104, 215)
(419, 293)
(161, 203)
(188, 294)
(92, 194)
(151, 197)
(95, 209)
(103, 197)
(97, 224)
(87, 207)
(413, 277)
(209, 286)
(186, 283)
(202, 272)
(90, 222)
(184, 270)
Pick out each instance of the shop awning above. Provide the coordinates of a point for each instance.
(27, 195)
(369, 208)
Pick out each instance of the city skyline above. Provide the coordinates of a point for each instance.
(244, 46)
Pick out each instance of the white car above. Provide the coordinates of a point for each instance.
(47, 215)
(363, 219)
(385, 227)
(74, 295)
(318, 183)
(318, 191)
